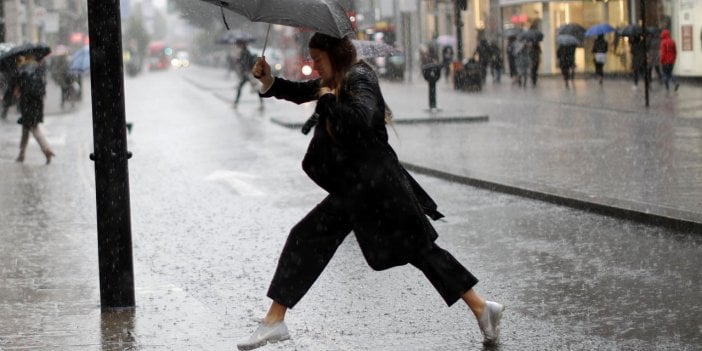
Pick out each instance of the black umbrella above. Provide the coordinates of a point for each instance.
(39, 51)
(568, 40)
(532, 34)
(573, 29)
(512, 32)
(632, 30)
(654, 31)
(324, 16)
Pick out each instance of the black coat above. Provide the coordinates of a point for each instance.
(31, 81)
(349, 156)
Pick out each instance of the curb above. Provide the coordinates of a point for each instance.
(622, 209)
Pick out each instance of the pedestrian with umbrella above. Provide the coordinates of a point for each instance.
(653, 47)
(511, 58)
(638, 58)
(30, 88)
(599, 50)
(533, 36)
(599, 29)
(369, 193)
(566, 61)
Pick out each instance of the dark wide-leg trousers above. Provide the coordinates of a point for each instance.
(313, 241)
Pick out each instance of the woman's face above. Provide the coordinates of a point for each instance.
(322, 64)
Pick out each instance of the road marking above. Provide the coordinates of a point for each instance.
(236, 180)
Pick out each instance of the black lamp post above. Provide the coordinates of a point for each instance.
(110, 155)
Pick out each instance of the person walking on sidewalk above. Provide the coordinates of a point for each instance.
(246, 62)
(566, 61)
(668, 56)
(447, 57)
(599, 50)
(522, 59)
(511, 58)
(638, 59)
(369, 193)
(31, 89)
(10, 77)
(535, 51)
(496, 62)
(653, 47)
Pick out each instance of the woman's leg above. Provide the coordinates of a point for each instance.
(23, 144)
(43, 143)
(667, 74)
(454, 282)
(448, 276)
(309, 248)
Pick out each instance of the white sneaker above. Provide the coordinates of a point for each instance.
(264, 334)
(489, 322)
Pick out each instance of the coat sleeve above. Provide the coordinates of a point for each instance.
(351, 116)
(297, 92)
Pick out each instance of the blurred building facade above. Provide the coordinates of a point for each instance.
(415, 22)
(49, 21)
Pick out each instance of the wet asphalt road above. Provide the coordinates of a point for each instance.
(213, 195)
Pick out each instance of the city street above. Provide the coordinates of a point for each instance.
(214, 192)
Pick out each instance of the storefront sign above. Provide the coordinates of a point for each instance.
(686, 34)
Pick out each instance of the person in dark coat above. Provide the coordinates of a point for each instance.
(30, 86)
(8, 99)
(511, 58)
(566, 61)
(653, 44)
(483, 55)
(60, 74)
(638, 58)
(535, 61)
(246, 61)
(599, 51)
(369, 193)
(496, 62)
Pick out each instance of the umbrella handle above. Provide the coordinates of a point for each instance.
(265, 43)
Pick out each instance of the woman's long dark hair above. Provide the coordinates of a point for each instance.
(342, 55)
(341, 52)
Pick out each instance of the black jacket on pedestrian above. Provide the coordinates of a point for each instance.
(31, 82)
(349, 156)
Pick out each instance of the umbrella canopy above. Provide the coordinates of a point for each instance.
(368, 49)
(654, 31)
(532, 34)
(236, 36)
(632, 30)
(39, 51)
(323, 16)
(573, 29)
(80, 60)
(599, 29)
(567, 40)
(512, 32)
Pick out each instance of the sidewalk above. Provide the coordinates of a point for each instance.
(592, 147)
